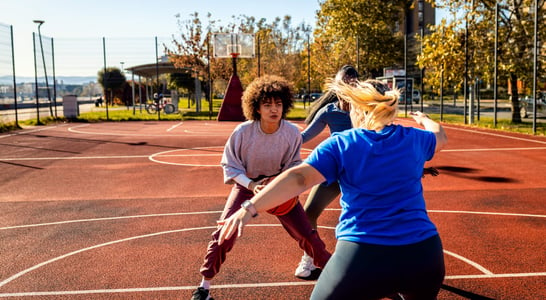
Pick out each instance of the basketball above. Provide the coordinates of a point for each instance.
(284, 208)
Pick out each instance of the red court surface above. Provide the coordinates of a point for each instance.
(125, 211)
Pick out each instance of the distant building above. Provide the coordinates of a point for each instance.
(419, 17)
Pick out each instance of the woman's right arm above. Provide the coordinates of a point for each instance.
(432, 126)
(314, 128)
(288, 184)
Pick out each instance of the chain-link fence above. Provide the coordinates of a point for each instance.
(71, 66)
(58, 67)
(7, 73)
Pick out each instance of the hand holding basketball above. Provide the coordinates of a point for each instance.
(257, 186)
(282, 209)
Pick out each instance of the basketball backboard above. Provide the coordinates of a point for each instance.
(233, 45)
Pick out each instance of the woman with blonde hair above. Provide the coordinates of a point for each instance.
(386, 243)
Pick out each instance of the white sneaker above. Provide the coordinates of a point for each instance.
(305, 267)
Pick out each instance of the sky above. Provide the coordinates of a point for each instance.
(82, 23)
(76, 19)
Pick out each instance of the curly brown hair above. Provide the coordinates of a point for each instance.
(266, 87)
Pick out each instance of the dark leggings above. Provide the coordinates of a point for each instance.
(319, 198)
(369, 272)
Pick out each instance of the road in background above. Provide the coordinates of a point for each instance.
(486, 110)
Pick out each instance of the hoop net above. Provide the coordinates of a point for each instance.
(233, 45)
(234, 50)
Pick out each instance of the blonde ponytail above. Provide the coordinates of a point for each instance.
(375, 106)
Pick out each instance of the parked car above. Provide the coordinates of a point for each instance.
(311, 97)
(526, 106)
(315, 96)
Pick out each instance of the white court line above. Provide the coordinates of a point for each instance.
(486, 276)
(73, 157)
(162, 154)
(31, 131)
(165, 154)
(218, 212)
(234, 286)
(495, 134)
(76, 129)
(468, 261)
(486, 213)
(175, 126)
(110, 218)
(13, 277)
(21, 273)
(106, 157)
(492, 149)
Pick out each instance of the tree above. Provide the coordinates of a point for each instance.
(111, 79)
(192, 51)
(516, 35)
(376, 25)
(280, 46)
(443, 56)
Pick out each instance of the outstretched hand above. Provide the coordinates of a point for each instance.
(418, 117)
(232, 225)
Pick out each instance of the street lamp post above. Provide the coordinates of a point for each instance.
(36, 81)
(40, 22)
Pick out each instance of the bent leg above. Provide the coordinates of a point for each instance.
(424, 270)
(319, 198)
(297, 225)
(216, 254)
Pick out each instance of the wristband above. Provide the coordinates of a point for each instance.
(249, 206)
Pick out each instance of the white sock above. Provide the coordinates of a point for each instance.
(205, 284)
(306, 255)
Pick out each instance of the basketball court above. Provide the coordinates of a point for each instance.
(125, 211)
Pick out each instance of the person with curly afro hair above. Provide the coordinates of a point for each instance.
(258, 150)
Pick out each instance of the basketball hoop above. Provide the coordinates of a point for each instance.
(234, 45)
(226, 45)
(235, 50)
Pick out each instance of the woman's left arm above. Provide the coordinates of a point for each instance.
(432, 126)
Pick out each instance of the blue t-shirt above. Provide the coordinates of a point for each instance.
(380, 178)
